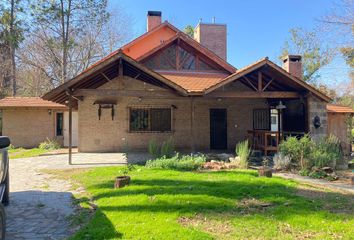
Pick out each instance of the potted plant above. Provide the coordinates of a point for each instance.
(123, 180)
(265, 170)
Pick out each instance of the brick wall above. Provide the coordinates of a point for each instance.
(317, 107)
(27, 127)
(113, 135)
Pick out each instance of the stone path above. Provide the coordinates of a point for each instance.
(40, 204)
(326, 184)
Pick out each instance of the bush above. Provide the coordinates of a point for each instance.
(166, 149)
(307, 154)
(49, 144)
(183, 163)
(298, 150)
(243, 151)
(154, 149)
(282, 161)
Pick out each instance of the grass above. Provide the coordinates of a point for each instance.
(167, 204)
(26, 153)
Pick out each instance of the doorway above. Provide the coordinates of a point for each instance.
(218, 129)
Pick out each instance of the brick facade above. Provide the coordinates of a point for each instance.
(107, 135)
(28, 127)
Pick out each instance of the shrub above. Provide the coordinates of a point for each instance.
(298, 150)
(50, 144)
(326, 152)
(243, 151)
(282, 161)
(183, 163)
(167, 148)
(153, 148)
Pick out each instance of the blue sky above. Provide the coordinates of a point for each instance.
(256, 28)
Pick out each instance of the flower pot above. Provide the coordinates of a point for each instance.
(265, 172)
(121, 181)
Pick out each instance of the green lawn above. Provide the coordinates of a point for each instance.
(25, 153)
(163, 204)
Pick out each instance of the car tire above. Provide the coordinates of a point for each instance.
(2, 222)
(6, 197)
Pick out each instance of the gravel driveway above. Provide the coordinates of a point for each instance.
(40, 204)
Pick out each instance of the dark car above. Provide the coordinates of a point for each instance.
(4, 183)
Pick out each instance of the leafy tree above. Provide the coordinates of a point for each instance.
(314, 54)
(189, 30)
(11, 35)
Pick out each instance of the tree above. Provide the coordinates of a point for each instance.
(40, 55)
(11, 35)
(60, 23)
(189, 30)
(314, 54)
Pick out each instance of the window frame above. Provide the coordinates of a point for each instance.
(56, 124)
(149, 118)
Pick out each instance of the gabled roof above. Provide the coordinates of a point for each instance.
(32, 102)
(266, 62)
(97, 75)
(178, 35)
(333, 108)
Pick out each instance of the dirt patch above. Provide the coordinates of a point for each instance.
(252, 205)
(336, 202)
(286, 229)
(212, 226)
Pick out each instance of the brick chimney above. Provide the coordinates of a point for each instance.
(213, 37)
(153, 19)
(293, 65)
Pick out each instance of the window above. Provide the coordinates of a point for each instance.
(261, 119)
(150, 119)
(59, 124)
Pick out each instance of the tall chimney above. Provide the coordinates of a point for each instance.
(293, 65)
(153, 19)
(212, 36)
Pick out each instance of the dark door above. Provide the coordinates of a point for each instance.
(218, 129)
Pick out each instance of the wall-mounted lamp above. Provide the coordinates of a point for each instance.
(219, 99)
(50, 111)
(317, 122)
(140, 99)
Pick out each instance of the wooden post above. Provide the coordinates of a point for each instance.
(192, 125)
(260, 84)
(70, 128)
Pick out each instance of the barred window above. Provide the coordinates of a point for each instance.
(150, 119)
(261, 119)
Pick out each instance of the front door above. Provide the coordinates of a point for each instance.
(218, 129)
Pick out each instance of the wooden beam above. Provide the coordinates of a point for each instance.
(124, 93)
(120, 74)
(70, 128)
(260, 82)
(251, 94)
(105, 76)
(249, 82)
(265, 87)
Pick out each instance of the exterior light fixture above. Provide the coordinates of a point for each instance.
(317, 122)
(140, 99)
(50, 111)
(219, 99)
(280, 106)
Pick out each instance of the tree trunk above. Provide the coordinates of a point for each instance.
(12, 48)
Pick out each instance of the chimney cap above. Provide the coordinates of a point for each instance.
(292, 58)
(154, 13)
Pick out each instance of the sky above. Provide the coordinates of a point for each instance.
(255, 28)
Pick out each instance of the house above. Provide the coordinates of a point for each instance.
(340, 121)
(28, 121)
(165, 84)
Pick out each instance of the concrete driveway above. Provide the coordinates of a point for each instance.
(40, 204)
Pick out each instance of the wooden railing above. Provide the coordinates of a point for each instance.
(266, 141)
